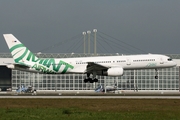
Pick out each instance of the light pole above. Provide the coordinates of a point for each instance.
(84, 34)
(95, 31)
(89, 44)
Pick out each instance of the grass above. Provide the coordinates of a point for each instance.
(96, 109)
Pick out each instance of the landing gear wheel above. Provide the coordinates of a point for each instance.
(90, 80)
(156, 77)
(95, 80)
(85, 80)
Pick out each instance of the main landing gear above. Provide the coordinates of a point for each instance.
(88, 79)
(156, 76)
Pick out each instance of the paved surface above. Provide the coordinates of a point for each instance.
(95, 97)
(92, 95)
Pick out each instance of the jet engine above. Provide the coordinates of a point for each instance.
(114, 71)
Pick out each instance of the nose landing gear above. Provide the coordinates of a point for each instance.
(156, 76)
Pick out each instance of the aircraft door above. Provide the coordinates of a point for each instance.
(128, 61)
(161, 61)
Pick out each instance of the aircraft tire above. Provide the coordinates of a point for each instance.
(90, 80)
(95, 80)
(85, 80)
(156, 77)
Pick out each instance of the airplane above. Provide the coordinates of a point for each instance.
(108, 88)
(24, 89)
(25, 60)
(99, 89)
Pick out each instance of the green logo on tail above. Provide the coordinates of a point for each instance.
(23, 56)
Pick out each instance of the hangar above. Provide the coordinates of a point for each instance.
(168, 80)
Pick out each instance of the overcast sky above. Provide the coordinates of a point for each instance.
(153, 26)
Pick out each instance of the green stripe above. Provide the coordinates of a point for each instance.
(17, 52)
(16, 46)
(31, 57)
(65, 70)
(22, 56)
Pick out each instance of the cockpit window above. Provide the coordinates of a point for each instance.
(169, 59)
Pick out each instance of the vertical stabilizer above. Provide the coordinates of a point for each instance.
(20, 53)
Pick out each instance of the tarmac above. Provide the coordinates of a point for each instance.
(94, 95)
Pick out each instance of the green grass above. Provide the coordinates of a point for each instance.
(89, 109)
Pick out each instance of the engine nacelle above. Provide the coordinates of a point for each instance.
(115, 71)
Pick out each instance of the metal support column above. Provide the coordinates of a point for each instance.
(89, 44)
(84, 34)
(95, 31)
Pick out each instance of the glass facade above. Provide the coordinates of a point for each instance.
(131, 80)
(168, 79)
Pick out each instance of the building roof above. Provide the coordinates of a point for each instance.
(68, 55)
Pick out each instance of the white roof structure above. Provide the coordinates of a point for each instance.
(7, 57)
(5, 61)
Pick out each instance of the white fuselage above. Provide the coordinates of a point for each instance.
(79, 65)
(130, 62)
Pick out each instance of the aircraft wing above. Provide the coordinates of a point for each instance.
(95, 67)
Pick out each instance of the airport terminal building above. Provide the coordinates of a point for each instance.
(168, 80)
